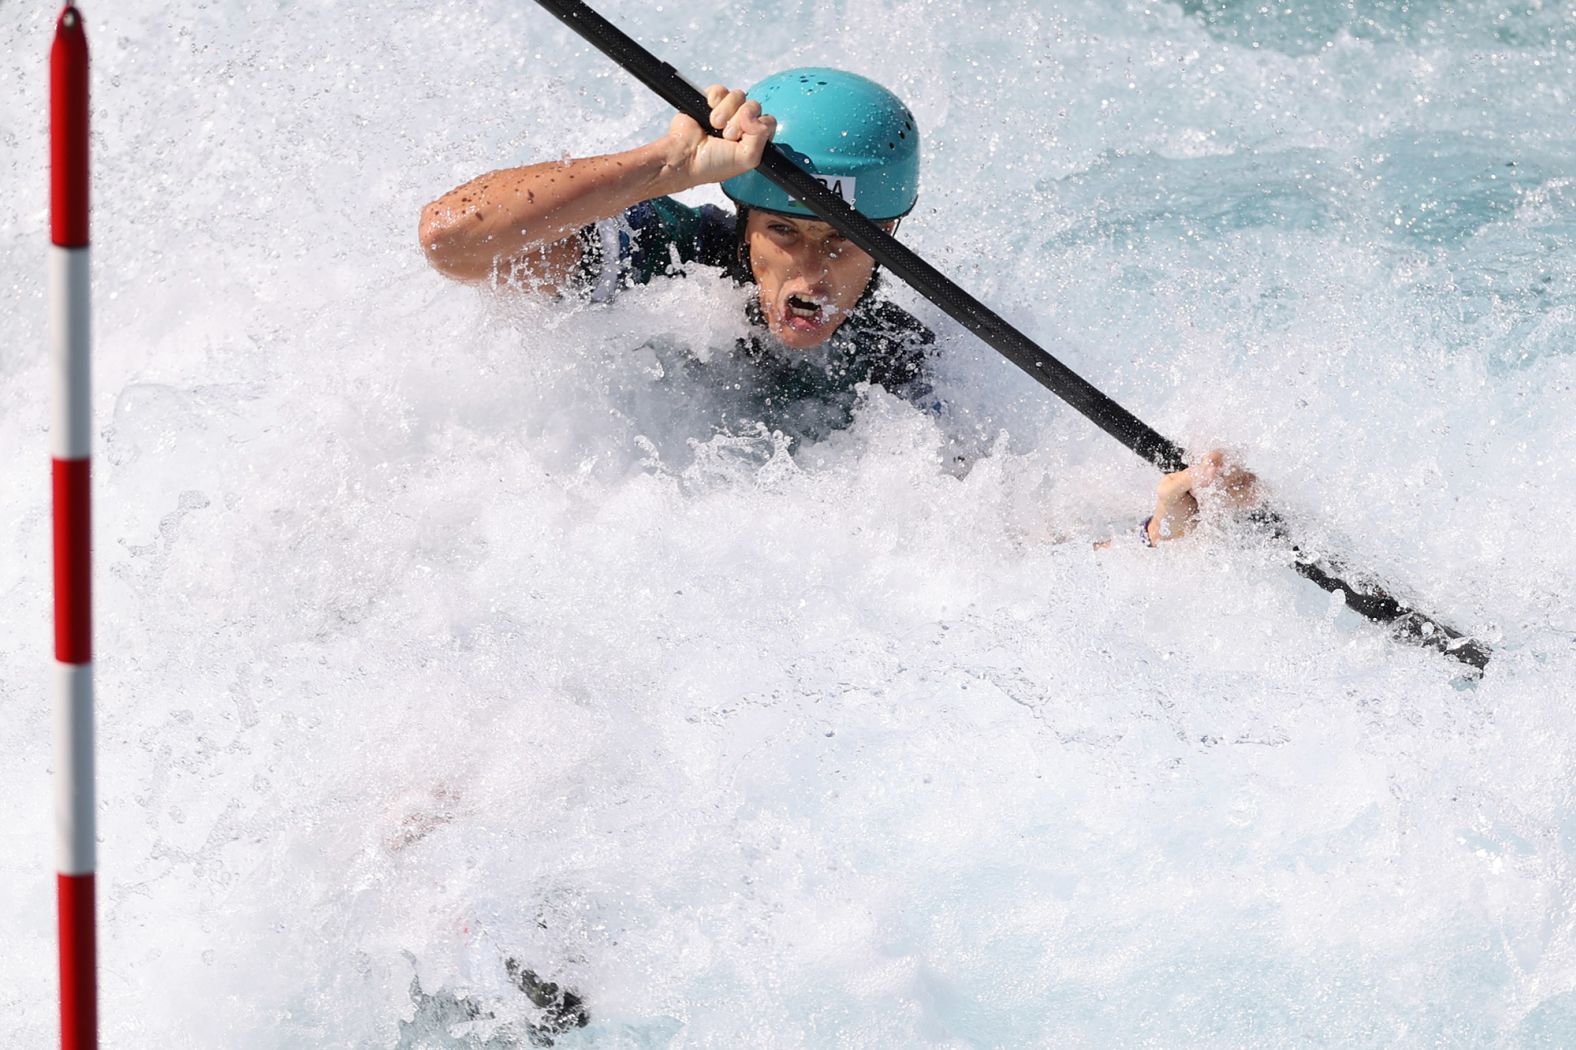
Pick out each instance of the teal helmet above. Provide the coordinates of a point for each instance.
(851, 133)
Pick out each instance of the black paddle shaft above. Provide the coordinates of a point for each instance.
(885, 249)
(974, 315)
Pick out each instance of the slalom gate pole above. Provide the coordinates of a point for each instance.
(71, 438)
(1367, 599)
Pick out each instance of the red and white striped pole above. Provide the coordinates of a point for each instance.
(71, 438)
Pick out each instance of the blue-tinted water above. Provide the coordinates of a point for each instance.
(434, 630)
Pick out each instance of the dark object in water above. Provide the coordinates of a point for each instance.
(439, 1013)
(562, 1009)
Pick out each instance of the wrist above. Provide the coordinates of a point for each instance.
(671, 163)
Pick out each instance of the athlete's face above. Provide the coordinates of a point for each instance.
(809, 275)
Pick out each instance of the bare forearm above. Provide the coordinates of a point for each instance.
(471, 231)
(518, 221)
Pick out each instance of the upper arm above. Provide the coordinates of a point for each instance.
(547, 268)
(550, 269)
(462, 255)
(644, 242)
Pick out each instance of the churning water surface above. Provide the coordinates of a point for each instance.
(437, 629)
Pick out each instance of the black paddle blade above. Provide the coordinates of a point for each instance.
(1372, 601)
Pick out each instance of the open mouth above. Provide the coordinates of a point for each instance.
(803, 313)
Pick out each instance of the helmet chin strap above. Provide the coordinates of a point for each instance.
(744, 271)
(875, 274)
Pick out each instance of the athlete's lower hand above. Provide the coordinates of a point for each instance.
(1215, 482)
(697, 157)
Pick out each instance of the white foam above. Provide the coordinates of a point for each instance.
(434, 630)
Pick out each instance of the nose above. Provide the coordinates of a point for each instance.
(813, 262)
